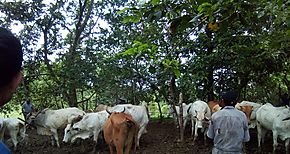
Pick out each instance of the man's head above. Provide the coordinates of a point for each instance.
(229, 98)
(11, 57)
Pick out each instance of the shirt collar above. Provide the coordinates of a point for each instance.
(229, 107)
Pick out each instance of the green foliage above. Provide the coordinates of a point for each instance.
(208, 46)
(154, 111)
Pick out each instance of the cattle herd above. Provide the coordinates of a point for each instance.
(123, 125)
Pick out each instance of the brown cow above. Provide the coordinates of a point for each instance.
(250, 109)
(247, 110)
(120, 131)
(214, 106)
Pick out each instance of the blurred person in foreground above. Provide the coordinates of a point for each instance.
(228, 127)
(11, 57)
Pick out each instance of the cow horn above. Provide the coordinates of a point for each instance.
(108, 111)
(25, 122)
(188, 109)
(123, 110)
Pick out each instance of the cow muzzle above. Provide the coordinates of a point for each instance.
(199, 124)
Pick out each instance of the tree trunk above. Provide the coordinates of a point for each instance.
(210, 93)
(171, 97)
(181, 129)
(72, 97)
(160, 111)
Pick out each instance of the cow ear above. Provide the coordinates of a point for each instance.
(76, 129)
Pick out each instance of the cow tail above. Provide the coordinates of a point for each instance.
(132, 126)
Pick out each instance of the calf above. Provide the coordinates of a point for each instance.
(200, 115)
(13, 128)
(120, 131)
(90, 125)
(49, 121)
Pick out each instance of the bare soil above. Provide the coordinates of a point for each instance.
(161, 138)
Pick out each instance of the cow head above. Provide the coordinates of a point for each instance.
(247, 110)
(200, 119)
(111, 112)
(70, 131)
(32, 116)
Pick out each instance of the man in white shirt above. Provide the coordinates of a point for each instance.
(228, 127)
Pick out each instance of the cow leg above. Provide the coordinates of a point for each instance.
(96, 136)
(111, 149)
(261, 134)
(192, 126)
(54, 133)
(119, 147)
(204, 136)
(52, 140)
(195, 133)
(14, 139)
(184, 122)
(129, 146)
(287, 141)
(275, 142)
(140, 132)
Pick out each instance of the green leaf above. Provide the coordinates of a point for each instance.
(155, 2)
(121, 11)
(204, 7)
(177, 72)
(126, 19)
(152, 69)
(288, 32)
(196, 18)
(288, 23)
(130, 51)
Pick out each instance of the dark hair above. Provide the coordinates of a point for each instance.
(11, 56)
(229, 97)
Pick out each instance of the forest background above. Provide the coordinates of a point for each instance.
(86, 52)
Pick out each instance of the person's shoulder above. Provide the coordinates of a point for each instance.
(4, 149)
(239, 111)
(217, 114)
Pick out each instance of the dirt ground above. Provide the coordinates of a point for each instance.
(161, 138)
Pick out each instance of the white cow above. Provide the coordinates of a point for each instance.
(13, 128)
(48, 121)
(185, 109)
(250, 109)
(90, 125)
(139, 114)
(275, 119)
(200, 115)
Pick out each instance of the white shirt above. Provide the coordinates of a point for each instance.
(228, 129)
